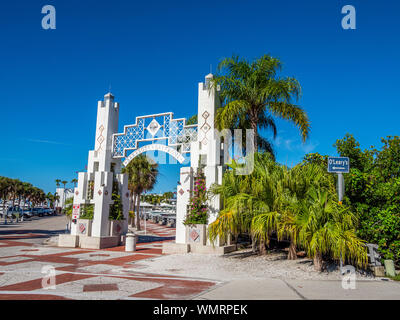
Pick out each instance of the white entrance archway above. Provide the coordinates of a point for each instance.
(96, 186)
(155, 147)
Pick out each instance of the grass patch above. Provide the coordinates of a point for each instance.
(396, 278)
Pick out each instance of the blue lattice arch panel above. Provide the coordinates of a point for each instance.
(154, 127)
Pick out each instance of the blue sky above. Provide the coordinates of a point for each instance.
(155, 52)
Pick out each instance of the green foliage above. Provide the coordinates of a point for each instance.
(298, 204)
(382, 226)
(192, 120)
(142, 176)
(372, 190)
(198, 209)
(116, 209)
(316, 158)
(14, 189)
(68, 207)
(396, 278)
(87, 212)
(253, 94)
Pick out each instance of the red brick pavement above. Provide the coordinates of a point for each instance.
(86, 271)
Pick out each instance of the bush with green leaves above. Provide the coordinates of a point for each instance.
(372, 189)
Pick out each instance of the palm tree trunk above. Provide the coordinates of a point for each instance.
(263, 248)
(4, 207)
(253, 244)
(255, 129)
(133, 204)
(4, 203)
(137, 213)
(318, 261)
(292, 251)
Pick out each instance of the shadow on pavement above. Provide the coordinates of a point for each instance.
(40, 234)
(146, 238)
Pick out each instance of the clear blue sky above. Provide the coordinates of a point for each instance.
(155, 52)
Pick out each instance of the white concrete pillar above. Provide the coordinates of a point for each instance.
(124, 192)
(102, 201)
(183, 197)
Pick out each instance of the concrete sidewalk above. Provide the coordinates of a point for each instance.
(277, 289)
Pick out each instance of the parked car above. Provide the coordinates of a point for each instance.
(38, 212)
(27, 213)
(48, 211)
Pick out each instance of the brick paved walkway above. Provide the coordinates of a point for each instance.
(90, 274)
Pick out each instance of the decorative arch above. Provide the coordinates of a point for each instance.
(152, 147)
(161, 126)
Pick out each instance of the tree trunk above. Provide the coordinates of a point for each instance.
(133, 205)
(137, 213)
(318, 261)
(263, 248)
(292, 251)
(254, 127)
(4, 204)
(253, 244)
(134, 209)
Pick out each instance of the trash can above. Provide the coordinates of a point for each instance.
(130, 242)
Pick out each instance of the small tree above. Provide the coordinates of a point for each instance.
(116, 210)
(198, 208)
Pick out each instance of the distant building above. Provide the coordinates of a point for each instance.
(68, 194)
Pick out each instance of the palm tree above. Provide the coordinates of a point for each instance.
(50, 198)
(58, 181)
(327, 228)
(74, 181)
(142, 173)
(299, 205)
(5, 191)
(15, 189)
(253, 94)
(241, 196)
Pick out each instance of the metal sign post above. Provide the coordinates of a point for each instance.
(339, 165)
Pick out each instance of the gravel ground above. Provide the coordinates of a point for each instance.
(240, 265)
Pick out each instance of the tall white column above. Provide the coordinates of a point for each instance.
(182, 201)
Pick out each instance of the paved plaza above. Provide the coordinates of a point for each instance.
(86, 274)
(83, 274)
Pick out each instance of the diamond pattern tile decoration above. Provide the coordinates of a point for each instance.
(100, 139)
(181, 192)
(206, 127)
(153, 127)
(194, 235)
(205, 114)
(82, 228)
(204, 141)
(159, 127)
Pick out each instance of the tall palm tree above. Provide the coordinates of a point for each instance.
(74, 181)
(58, 181)
(15, 189)
(5, 191)
(142, 172)
(253, 94)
